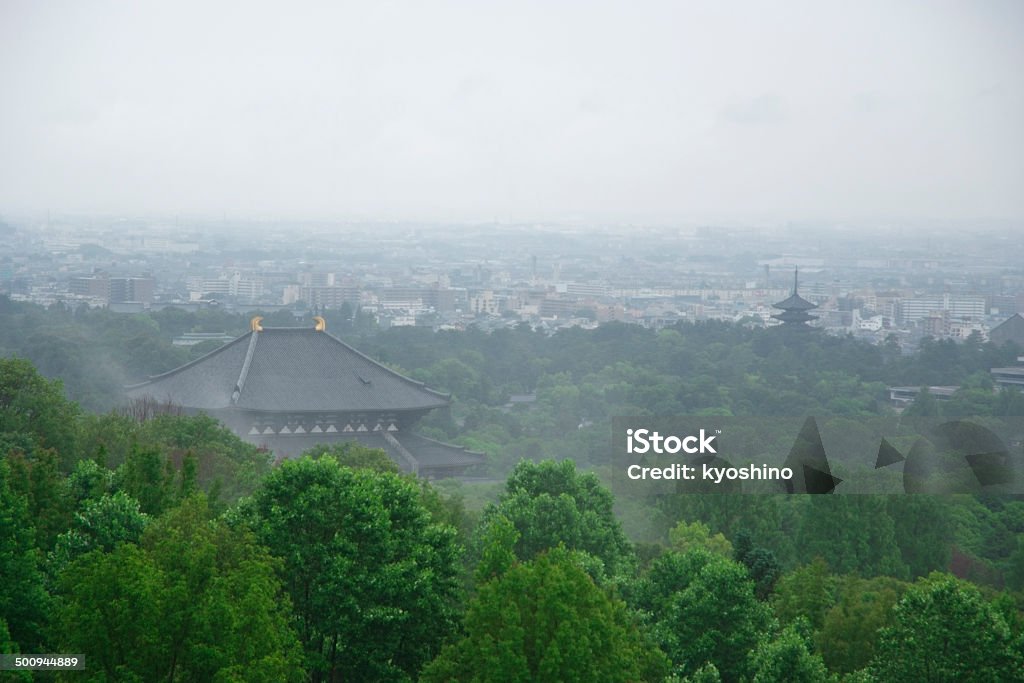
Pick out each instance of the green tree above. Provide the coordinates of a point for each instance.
(371, 577)
(1015, 566)
(8, 646)
(762, 564)
(808, 592)
(110, 609)
(684, 537)
(204, 347)
(551, 503)
(1009, 401)
(447, 508)
(923, 532)
(188, 484)
(854, 534)
(195, 600)
(101, 524)
(34, 407)
(546, 620)
(944, 630)
(703, 609)
(222, 605)
(220, 454)
(107, 438)
(352, 454)
(89, 481)
(849, 632)
(705, 674)
(497, 548)
(146, 478)
(766, 518)
(454, 376)
(788, 658)
(24, 603)
(38, 478)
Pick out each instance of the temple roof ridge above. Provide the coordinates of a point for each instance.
(293, 369)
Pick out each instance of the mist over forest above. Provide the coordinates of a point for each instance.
(192, 519)
(327, 331)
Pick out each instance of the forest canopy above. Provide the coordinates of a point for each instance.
(166, 548)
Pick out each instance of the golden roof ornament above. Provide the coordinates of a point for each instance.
(254, 324)
(321, 324)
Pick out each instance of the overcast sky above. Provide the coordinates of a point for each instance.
(517, 110)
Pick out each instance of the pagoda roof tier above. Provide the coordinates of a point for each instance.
(795, 303)
(792, 316)
(289, 370)
(794, 309)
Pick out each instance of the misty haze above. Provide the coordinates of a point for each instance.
(326, 330)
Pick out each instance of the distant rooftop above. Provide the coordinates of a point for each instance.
(1009, 377)
(288, 369)
(193, 338)
(794, 309)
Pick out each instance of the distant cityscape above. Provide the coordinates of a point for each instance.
(885, 286)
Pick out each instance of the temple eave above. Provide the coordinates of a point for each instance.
(794, 317)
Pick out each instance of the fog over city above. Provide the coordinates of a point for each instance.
(663, 341)
(576, 112)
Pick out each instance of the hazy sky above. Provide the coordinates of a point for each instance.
(515, 110)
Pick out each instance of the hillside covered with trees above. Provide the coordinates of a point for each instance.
(165, 548)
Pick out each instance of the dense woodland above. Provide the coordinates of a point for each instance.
(166, 549)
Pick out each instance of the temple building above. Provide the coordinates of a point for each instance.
(1010, 330)
(794, 309)
(289, 389)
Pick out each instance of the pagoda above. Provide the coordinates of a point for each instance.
(795, 308)
(289, 389)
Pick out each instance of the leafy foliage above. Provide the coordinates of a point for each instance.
(34, 414)
(761, 563)
(807, 592)
(348, 570)
(848, 636)
(351, 454)
(944, 631)
(101, 525)
(552, 504)
(788, 658)
(24, 604)
(371, 577)
(546, 620)
(852, 534)
(194, 600)
(703, 610)
(684, 537)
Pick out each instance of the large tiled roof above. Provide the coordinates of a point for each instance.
(1011, 329)
(289, 369)
(431, 453)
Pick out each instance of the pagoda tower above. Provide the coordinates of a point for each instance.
(795, 308)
